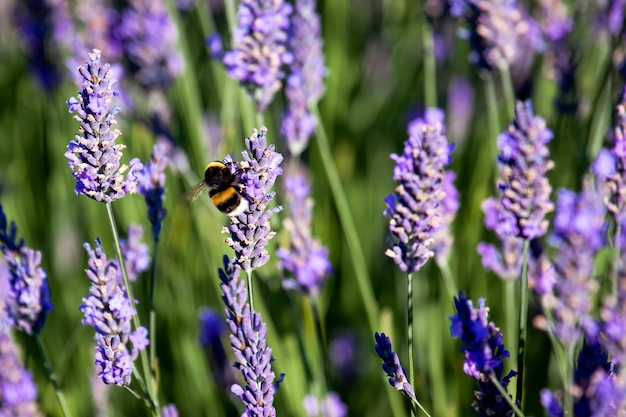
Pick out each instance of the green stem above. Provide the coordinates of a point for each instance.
(152, 399)
(409, 307)
(321, 347)
(52, 377)
(507, 89)
(505, 395)
(568, 399)
(511, 317)
(492, 116)
(347, 223)
(523, 318)
(430, 71)
(448, 280)
(152, 330)
(250, 295)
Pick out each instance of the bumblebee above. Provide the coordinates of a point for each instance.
(225, 189)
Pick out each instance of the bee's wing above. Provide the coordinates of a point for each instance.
(192, 194)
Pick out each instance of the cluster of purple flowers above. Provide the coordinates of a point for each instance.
(26, 298)
(248, 342)
(260, 52)
(414, 207)
(392, 366)
(18, 392)
(109, 310)
(152, 186)
(250, 231)
(481, 341)
(304, 85)
(305, 257)
(94, 157)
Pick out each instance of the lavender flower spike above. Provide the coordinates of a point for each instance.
(524, 162)
(254, 357)
(94, 157)
(18, 392)
(305, 257)
(392, 367)
(484, 354)
(305, 83)
(109, 311)
(152, 186)
(414, 207)
(250, 231)
(260, 48)
(27, 297)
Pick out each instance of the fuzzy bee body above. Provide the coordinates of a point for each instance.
(225, 188)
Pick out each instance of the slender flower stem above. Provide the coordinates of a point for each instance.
(617, 259)
(511, 318)
(492, 115)
(250, 297)
(52, 377)
(448, 280)
(430, 73)
(150, 383)
(507, 89)
(568, 399)
(505, 395)
(152, 331)
(321, 347)
(347, 223)
(523, 317)
(409, 306)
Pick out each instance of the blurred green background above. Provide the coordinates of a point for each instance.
(375, 84)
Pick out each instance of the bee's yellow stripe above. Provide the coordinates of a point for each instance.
(223, 196)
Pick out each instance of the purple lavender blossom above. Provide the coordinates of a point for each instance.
(442, 237)
(254, 357)
(259, 50)
(214, 42)
(577, 236)
(18, 392)
(109, 311)
(96, 22)
(150, 38)
(343, 355)
(414, 207)
(305, 257)
(612, 324)
(610, 166)
(27, 295)
(501, 33)
(151, 184)
(329, 406)
(481, 341)
(598, 391)
(136, 254)
(94, 157)
(392, 367)
(251, 231)
(169, 410)
(305, 84)
(524, 162)
(611, 16)
(45, 27)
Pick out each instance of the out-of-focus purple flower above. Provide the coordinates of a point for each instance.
(45, 27)
(211, 327)
(414, 207)
(610, 16)
(94, 157)
(248, 342)
(27, 295)
(151, 184)
(598, 391)
(305, 84)
(250, 231)
(442, 237)
(392, 366)
(99, 395)
(342, 353)
(556, 27)
(305, 257)
(136, 254)
(501, 33)
(214, 42)
(96, 22)
(109, 311)
(505, 262)
(612, 324)
(524, 162)
(577, 236)
(460, 108)
(18, 392)
(329, 406)
(610, 167)
(169, 410)
(259, 51)
(481, 341)
(150, 38)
